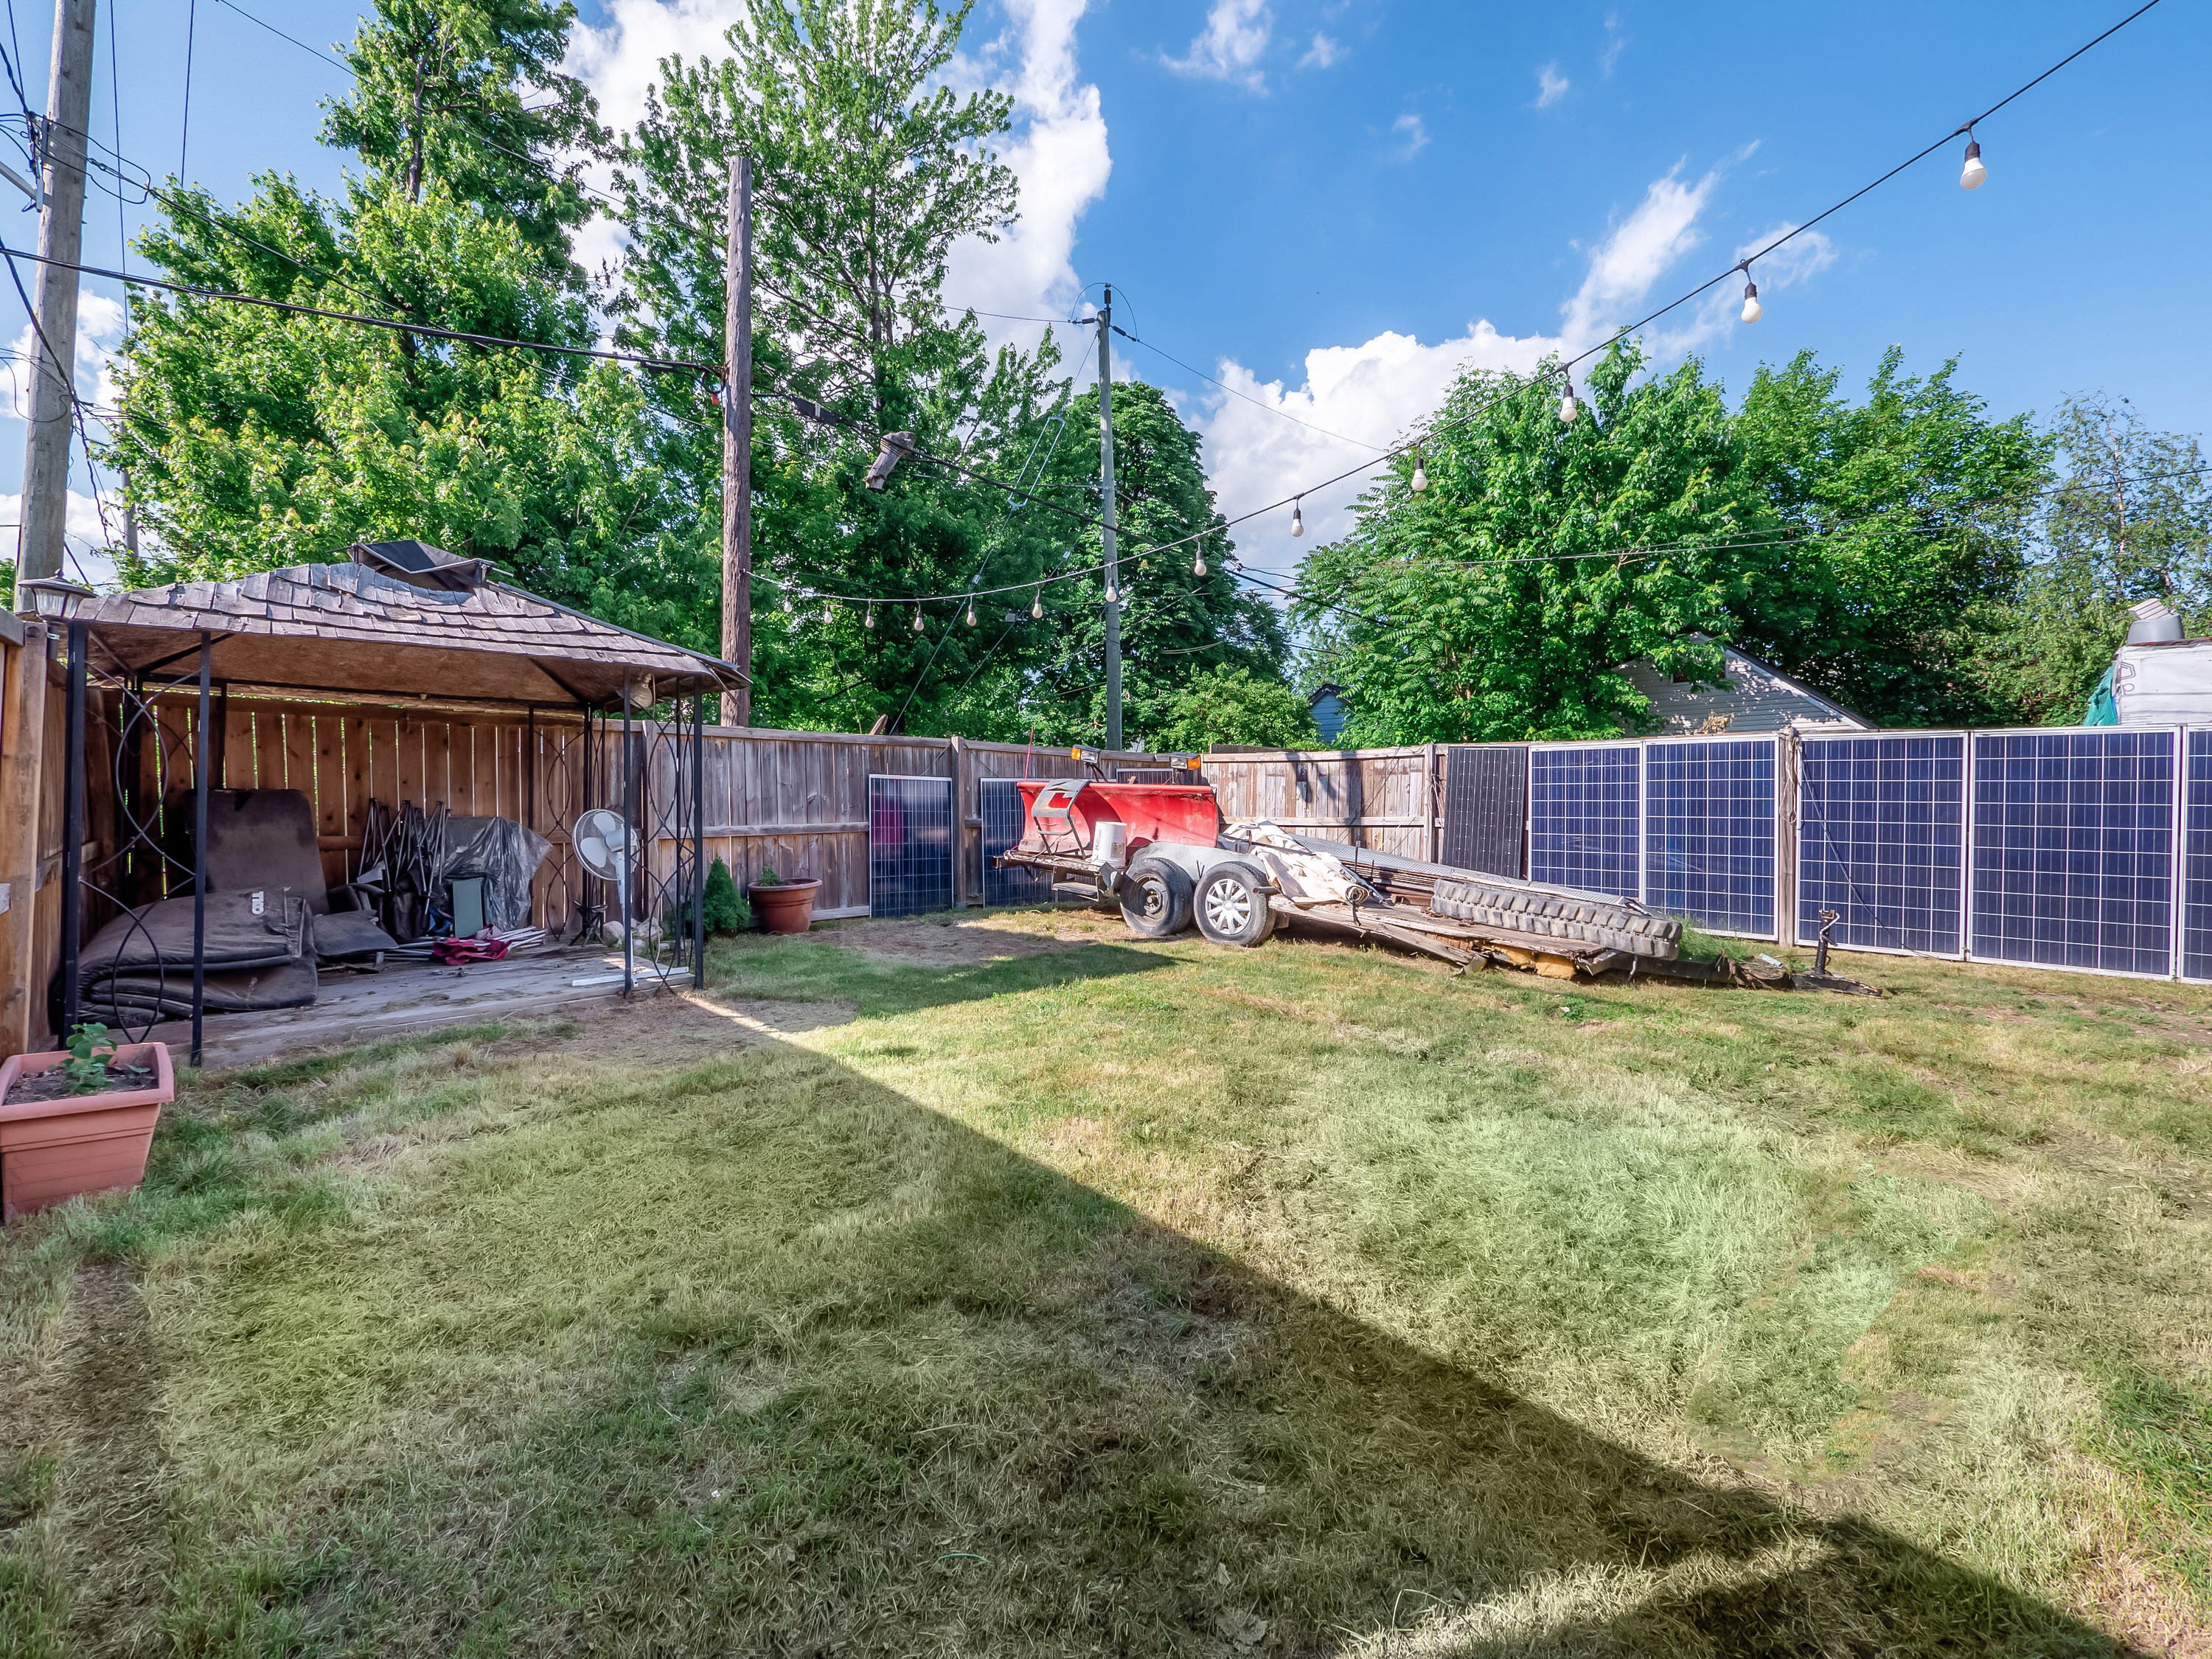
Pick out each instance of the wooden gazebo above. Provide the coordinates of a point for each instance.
(311, 654)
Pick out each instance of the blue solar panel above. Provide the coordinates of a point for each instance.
(2196, 859)
(1584, 815)
(2072, 849)
(1002, 823)
(1881, 837)
(1709, 833)
(909, 845)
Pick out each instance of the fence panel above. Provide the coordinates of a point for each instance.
(1383, 800)
(1710, 832)
(1881, 841)
(1585, 816)
(909, 845)
(2074, 849)
(1485, 816)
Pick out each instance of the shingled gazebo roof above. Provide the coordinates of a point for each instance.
(399, 617)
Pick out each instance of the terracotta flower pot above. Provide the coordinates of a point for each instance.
(786, 907)
(51, 1150)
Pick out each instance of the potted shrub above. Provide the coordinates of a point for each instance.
(784, 906)
(79, 1119)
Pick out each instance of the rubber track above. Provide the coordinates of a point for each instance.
(1580, 921)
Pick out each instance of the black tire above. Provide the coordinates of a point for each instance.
(1156, 899)
(1230, 906)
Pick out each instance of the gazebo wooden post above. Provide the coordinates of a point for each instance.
(699, 842)
(199, 849)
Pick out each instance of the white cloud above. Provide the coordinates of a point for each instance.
(1059, 151)
(1236, 33)
(1551, 86)
(1324, 54)
(1615, 44)
(1414, 134)
(1661, 230)
(1374, 394)
(99, 332)
(1720, 312)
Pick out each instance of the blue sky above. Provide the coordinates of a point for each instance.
(1332, 204)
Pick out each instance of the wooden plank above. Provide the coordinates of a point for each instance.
(23, 753)
(407, 751)
(437, 783)
(268, 747)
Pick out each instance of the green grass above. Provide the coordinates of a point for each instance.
(1146, 1297)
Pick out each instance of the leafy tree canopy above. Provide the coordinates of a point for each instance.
(1231, 705)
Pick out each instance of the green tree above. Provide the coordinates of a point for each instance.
(1175, 624)
(1497, 604)
(1227, 704)
(2129, 519)
(1901, 528)
(252, 439)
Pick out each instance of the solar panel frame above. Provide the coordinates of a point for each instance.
(2193, 872)
(1751, 885)
(1945, 884)
(910, 874)
(1000, 808)
(2027, 925)
(1598, 852)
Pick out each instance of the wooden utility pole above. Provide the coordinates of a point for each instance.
(738, 443)
(61, 236)
(1107, 522)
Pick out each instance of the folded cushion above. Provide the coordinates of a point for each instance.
(159, 935)
(130, 998)
(348, 933)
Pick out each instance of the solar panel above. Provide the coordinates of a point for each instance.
(1585, 817)
(2072, 849)
(1709, 833)
(909, 845)
(1880, 839)
(1486, 807)
(2196, 859)
(1002, 823)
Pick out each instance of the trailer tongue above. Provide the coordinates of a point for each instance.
(1161, 852)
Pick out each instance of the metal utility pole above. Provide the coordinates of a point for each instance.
(1106, 527)
(61, 236)
(738, 443)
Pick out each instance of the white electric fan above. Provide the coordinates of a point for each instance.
(602, 841)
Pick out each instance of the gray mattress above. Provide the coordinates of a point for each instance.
(142, 961)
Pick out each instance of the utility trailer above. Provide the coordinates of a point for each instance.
(1162, 853)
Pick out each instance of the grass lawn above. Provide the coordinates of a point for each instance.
(1017, 1287)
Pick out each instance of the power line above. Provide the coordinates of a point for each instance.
(397, 326)
(1256, 402)
(184, 137)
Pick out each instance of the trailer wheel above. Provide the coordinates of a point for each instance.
(1156, 899)
(1230, 906)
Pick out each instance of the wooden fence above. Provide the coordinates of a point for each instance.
(795, 801)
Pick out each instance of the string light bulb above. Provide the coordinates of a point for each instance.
(788, 607)
(1036, 607)
(828, 613)
(1970, 175)
(917, 619)
(971, 613)
(1568, 409)
(869, 621)
(1299, 517)
(1113, 593)
(1420, 474)
(1752, 310)
(1198, 565)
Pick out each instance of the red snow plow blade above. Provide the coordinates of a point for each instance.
(1063, 815)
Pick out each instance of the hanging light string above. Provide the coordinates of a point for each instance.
(1562, 370)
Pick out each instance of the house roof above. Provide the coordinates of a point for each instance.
(397, 617)
(1757, 698)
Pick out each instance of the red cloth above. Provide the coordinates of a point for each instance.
(458, 951)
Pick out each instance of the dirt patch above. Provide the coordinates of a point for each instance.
(676, 1028)
(971, 939)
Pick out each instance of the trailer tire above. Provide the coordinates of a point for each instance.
(1230, 906)
(1156, 899)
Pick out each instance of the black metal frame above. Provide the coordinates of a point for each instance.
(138, 823)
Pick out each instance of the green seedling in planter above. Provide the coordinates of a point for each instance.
(90, 1053)
(768, 877)
(92, 1064)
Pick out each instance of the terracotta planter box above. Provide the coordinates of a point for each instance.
(786, 907)
(51, 1149)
